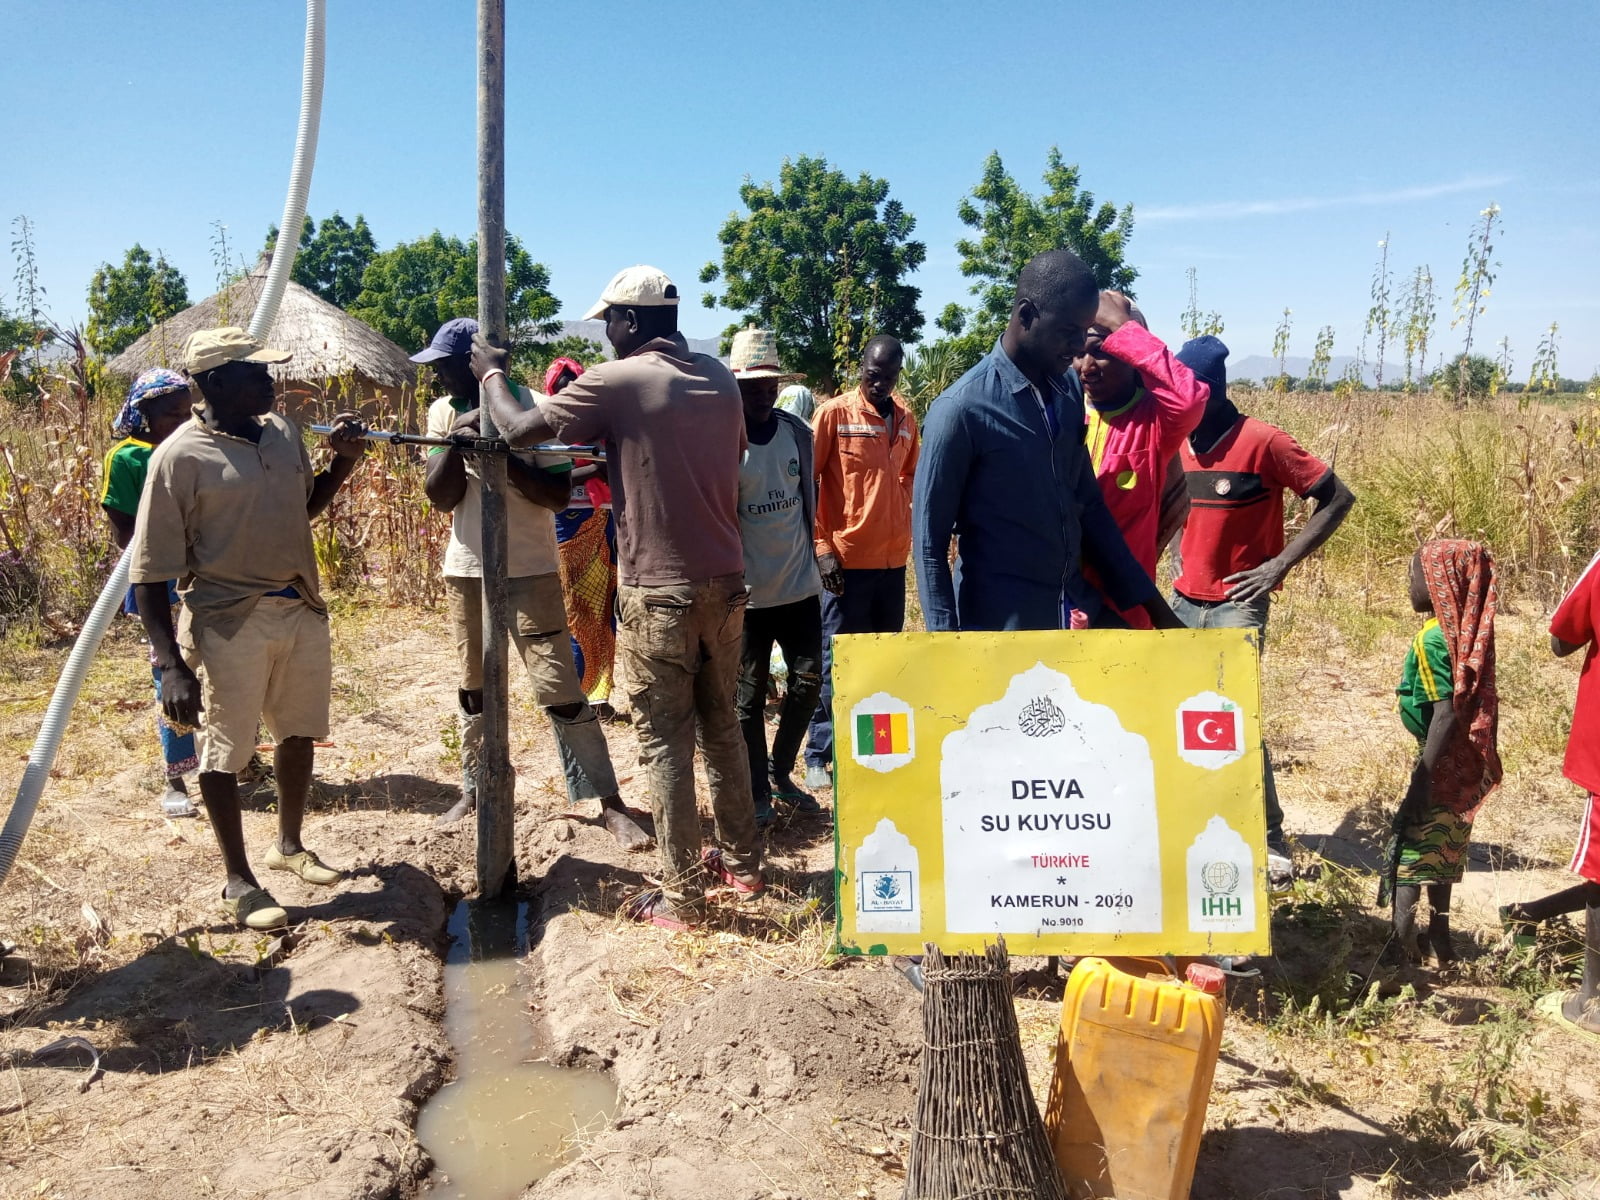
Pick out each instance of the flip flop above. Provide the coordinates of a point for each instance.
(256, 909)
(802, 803)
(654, 908)
(750, 884)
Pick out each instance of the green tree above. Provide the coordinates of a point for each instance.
(1012, 226)
(1321, 357)
(1418, 323)
(409, 291)
(820, 261)
(1472, 289)
(1195, 323)
(1470, 376)
(929, 371)
(125, 301)
(333, 257)
(1280, 351)
(530, 360)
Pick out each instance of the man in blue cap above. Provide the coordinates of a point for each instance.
(1233, 555)
(534, 604)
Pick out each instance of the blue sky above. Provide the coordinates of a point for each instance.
(1269, 146)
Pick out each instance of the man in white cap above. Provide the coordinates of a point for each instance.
(227, 513)
(777, 514)
(673, 427)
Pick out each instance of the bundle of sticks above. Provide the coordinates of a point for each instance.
(977, 1131)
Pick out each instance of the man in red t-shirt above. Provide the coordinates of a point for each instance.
(1233, 556)
(1576, 625)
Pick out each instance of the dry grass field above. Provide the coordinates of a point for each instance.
(751, 1062)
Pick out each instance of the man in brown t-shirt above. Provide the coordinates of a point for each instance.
(673, 427)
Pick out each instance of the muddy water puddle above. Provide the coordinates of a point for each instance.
(506, 1120)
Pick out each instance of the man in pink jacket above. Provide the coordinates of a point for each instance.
(1141, 402)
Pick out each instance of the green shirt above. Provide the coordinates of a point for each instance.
(126, 465)
(1425, 677)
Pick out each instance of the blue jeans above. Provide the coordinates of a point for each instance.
(873, 601)
(1240, 614)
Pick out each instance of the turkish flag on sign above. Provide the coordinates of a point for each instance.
(1203, 730)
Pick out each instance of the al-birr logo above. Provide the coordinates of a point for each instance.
(1210, 731)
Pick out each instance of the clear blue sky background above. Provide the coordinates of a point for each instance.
(1270, 146)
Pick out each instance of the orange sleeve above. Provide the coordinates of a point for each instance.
(830, 488)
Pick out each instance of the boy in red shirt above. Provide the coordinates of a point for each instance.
(1233, 556)
(1141, 403)
(1576, 625)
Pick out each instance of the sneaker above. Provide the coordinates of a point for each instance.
(747, 883)
(256, 909)
(817, 776)
(305, 864)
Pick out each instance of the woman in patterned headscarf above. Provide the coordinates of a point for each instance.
(586, 538)
(157, 403)
(1449, 704)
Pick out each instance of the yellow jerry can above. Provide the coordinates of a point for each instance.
(1134, 1061)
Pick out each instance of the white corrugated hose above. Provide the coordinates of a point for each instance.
(43, 755)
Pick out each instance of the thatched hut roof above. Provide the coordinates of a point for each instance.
(327, 342)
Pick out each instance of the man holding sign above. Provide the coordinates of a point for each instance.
(1005, 471)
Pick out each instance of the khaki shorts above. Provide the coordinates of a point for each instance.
(277, 668)
(537, 614)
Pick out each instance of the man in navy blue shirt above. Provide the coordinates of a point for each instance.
(1005, 470)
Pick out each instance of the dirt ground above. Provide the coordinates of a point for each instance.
(750, 1063)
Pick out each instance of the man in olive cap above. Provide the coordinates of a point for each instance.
(227, 512)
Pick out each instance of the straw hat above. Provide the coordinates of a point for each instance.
(755, 355)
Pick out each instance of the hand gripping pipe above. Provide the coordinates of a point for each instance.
(43, 755)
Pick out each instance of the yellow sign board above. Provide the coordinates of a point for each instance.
(1093, 792)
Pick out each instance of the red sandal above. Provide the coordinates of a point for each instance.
(745, 883)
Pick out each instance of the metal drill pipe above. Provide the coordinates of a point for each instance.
(471, 444)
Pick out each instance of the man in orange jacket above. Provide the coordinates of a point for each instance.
(866, 455)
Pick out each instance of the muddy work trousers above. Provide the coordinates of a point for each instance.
(537, 614)
(680, 645)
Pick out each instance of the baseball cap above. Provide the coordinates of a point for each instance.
(454, 337)
(209, 348)
(641, 287)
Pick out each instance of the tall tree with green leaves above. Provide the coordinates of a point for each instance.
(125, 301)
(1195, 323)
(1321, 357)
(821, 260)
(1280, 350)
(1420, 306)
(1012, 226)
(410, 290)
(1544, 378)
(333, 257)
(1472, 289)
(1380, 317)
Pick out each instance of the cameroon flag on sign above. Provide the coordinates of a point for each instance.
(883, 733)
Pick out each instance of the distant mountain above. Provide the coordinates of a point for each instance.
(595, 331)
(1256, 367)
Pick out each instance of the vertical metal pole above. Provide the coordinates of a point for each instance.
(496, 784)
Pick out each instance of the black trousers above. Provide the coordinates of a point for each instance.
(797, 630)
